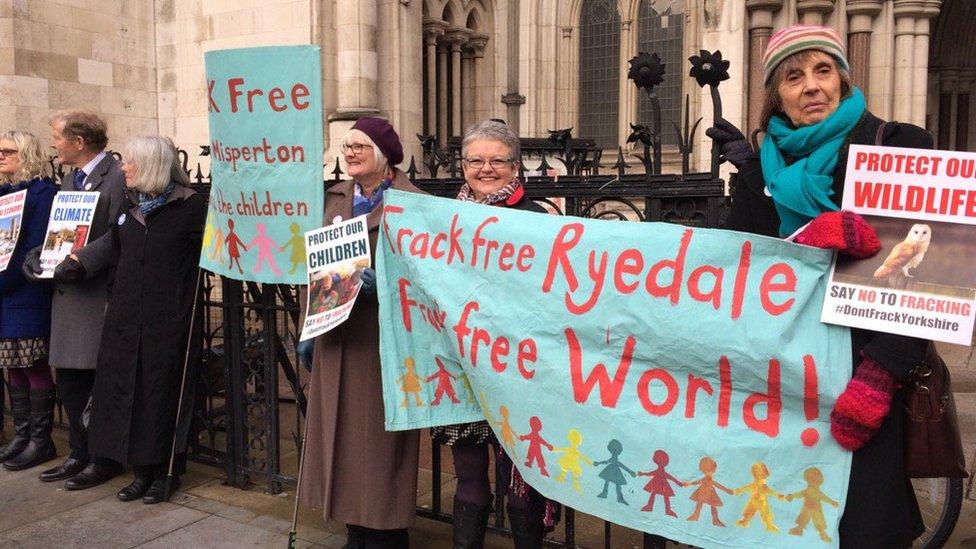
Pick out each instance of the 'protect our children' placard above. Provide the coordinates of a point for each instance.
(67, 227)
(336, 256)
(265, 113)
(675, 380)
(922, 203)
(11, 216)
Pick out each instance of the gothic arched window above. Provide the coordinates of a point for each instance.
(660, 27)
(599, 69)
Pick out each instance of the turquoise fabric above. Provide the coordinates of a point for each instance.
(802, 190)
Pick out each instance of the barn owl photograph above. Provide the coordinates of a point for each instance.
(907, 254)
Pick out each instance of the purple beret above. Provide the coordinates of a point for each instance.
(385, 137)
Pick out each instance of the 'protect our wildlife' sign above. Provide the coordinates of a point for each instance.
(675, 380)
(922, 203)
(265, 112)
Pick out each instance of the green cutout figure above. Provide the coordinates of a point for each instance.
(297, 243)
(613, 472)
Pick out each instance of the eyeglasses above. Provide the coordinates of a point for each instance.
(495, 163)
(8, 152)
(356, 148)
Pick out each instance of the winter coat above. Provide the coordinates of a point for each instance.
(356, 471)
(78, 308)
(881, 509)
(143, 347)
(25, 308)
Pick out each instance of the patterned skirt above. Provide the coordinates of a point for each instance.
(22, 352)
(461, 434)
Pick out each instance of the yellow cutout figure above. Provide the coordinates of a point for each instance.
(813, 500)
(759, 493)
(207, 235)
(570, 462)
(297, 243)
(410, 384)
(217, 252)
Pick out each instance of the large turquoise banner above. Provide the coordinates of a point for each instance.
(265, 111)
(670, 379)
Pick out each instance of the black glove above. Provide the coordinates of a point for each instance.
(69, 270)
(733, 145)
(369, 281)
(31, 266)
(305, 350)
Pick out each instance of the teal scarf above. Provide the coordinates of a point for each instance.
(803, 189)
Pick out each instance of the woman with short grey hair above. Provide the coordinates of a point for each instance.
(155, 247)
(489, 155)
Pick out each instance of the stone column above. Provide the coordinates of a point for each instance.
(456, 37)
(920, 73)
(904, 57)
(433, 29)
(760, 29)
(624, 86)
(356, 67)
(564, 87)
(814, 12)
(468, 88)
(476, 45)
(356, 58)
(967, 120)
(860, 14)
(442, 91)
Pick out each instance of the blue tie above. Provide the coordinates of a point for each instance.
(79, 179)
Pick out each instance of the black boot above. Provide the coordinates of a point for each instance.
(355, 537)
(20, 411)
(40, 448)
(470, 523)
(528, 531)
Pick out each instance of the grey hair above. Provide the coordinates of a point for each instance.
(492, 130)
(155, 160)
(381, 161)
(33, 160)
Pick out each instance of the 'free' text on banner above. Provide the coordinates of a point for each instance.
(623, 363)
(265, 111)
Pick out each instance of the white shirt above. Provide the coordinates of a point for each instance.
(90, 166)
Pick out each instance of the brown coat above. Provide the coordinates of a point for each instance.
(356, 471)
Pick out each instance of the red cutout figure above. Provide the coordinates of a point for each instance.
(444, 385)
(535, 440)
(232, 241)
(660, 483)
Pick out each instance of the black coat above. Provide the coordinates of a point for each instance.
(881, 508)
(140, 362)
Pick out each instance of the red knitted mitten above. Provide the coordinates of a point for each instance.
(843, 231)
(862, 406)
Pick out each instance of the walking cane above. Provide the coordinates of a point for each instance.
(168, 486)
(292, 535)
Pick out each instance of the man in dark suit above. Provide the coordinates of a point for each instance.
(78, 309)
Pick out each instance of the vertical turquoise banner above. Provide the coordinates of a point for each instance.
(265, 112)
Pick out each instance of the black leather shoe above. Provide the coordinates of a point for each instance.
(66, 470)
(136, 489)
(91, 476)
(155, 494)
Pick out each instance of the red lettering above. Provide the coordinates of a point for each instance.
(508, 252)
(461, 328)
(677, 266)
(609, 390)
(455, 246)
(694, 385)
(233, 92)
(274, 96)
(210, 89)
(499, 349)
(558, 258)
(724, 390)
(629, 262)
(299, 91)
(767, 286)
(715, 293)
(643, 391)
(526, 354)
(387, 210)
(771, 398)
(526, 253)
(741, 274)
(405, 303)
(435, 251)
(480, 335)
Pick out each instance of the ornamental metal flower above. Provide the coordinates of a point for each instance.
(646, 70)
(642, 133)
(708, 68)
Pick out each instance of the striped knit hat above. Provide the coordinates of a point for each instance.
(787, 41)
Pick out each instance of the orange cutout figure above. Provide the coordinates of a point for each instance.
(444, 385)
(536, 442)
(410, 384)
(659, 483)
(572, 456)
(506, 433)
(759, 493)
(813, 500)
(706, 494)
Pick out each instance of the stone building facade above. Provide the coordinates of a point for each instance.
(434, 66)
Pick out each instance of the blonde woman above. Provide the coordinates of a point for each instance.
(155, 246)
(25, 309)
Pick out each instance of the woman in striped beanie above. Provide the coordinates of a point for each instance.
(811, 114)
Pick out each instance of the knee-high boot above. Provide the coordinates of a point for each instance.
(41, 447)
(20, 410)
(528, 531)
(470, 523)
